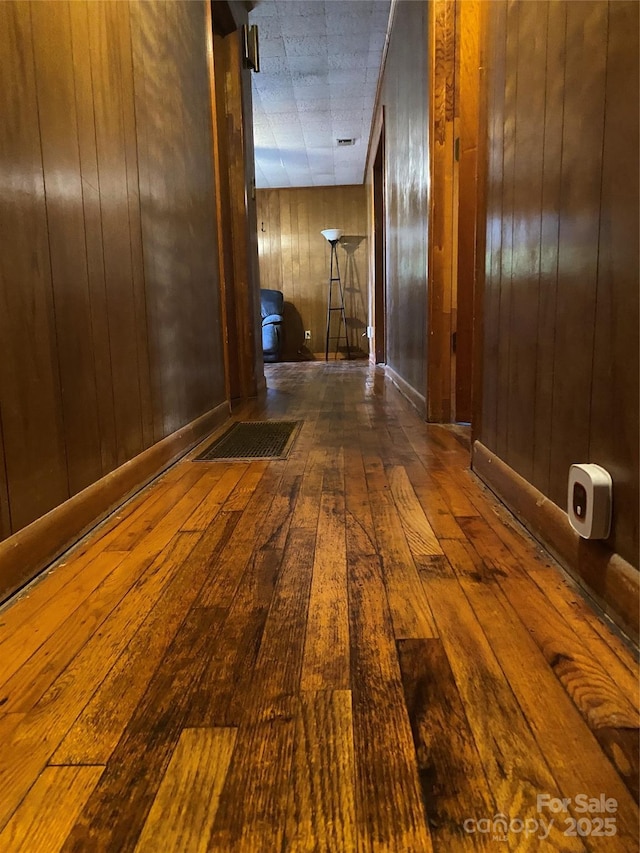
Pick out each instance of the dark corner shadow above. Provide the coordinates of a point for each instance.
(293, 346)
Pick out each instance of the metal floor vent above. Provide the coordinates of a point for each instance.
(253, 440)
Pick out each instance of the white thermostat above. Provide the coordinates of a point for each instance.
(589, 500)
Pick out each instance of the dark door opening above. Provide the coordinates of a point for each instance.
(380, 298)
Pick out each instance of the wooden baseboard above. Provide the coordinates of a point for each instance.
(607, 578)
(32, 549)
(417, 400)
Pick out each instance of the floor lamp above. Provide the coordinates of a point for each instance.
(332, 235)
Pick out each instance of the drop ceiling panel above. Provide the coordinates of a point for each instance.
(320, 63)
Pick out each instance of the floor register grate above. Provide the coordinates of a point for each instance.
(252, 440)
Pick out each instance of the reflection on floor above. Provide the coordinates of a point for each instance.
(351, 649)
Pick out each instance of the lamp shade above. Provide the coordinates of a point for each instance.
(332, 234)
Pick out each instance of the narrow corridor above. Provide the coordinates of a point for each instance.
(355, 648)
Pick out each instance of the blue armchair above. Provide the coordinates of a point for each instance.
(271, 309)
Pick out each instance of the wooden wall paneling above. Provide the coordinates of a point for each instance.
(482, 249)
(297, 289)
(405, 96)
(294, 258)
(104, 38)
(186, 259)
(613, 439)
(245, 335)
(225, 233)
(441, 227)
(582, 140)
(549, 242)
(506, 242)
(527, 222)
(496, 38)
(29, 380)
(148, 68)
(85, 122)
(125, 57)
(67, 247)
(467, 101)
(180, 298)
(5, 515)
(303, 286)
(210, 353)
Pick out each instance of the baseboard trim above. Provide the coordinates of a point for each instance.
(612, 582)
(25, 554)
(417, 400)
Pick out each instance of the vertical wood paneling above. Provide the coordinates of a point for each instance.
(148, 65)
(441, 224)
(613, 443)
(561, 332)
(125, 57)
(109, 305)
(85, 120)
(294, 257)
(29, 381)
(468, 33)
(496, 37)
(405, 98)
(582, 137)
(550, 206)
(527, 218)
(67, 246)
(104, 38)
(506, 236)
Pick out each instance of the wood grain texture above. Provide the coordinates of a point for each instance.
(326, 652)
(571, 736)
(407, 192)
(514, 764)
(442, 234)
(453, 781)
(321, 812)
(49, 810)
(559, 360)
(294, 258)
(30, 393)
(614, 383)
(204, 624)
(185, 806)
(610, 580)
(384, 762)
(113, 338)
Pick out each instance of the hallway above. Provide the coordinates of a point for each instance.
(355, 648)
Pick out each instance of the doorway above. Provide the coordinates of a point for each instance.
(379, 253)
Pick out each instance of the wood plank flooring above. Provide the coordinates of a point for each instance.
(353, 649)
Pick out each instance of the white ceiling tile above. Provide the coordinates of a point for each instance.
(376, 41)
(271, 47)
(264, 9)
(348, 24)
(306, 25)
(287, 8)
(355, 43)
(320, 70)
(308, 64)
(372, 75)
(352, 102)
(312, 106)
(305, 45)
(272, 65)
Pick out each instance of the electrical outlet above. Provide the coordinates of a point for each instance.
(307, 335)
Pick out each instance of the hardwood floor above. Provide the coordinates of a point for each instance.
(355, 648)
